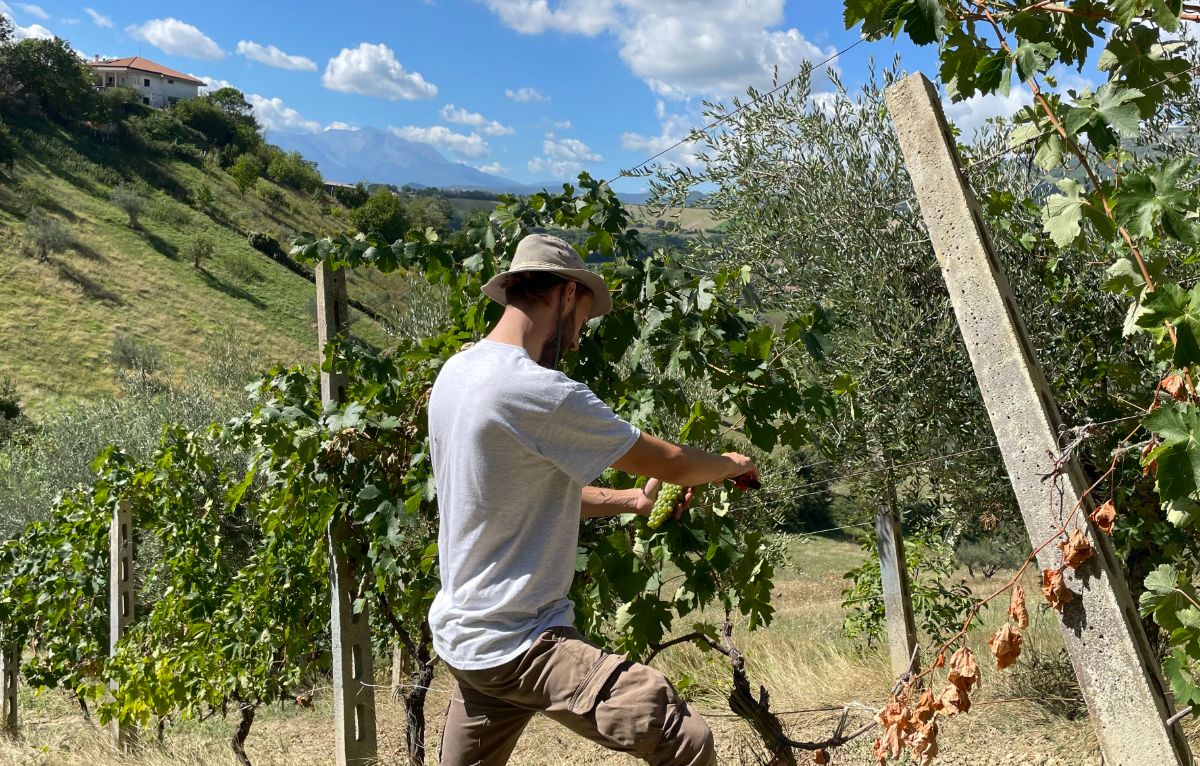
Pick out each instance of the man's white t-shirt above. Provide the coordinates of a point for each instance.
(513, 444)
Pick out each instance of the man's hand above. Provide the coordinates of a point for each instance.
(743, 473)
(649, 494)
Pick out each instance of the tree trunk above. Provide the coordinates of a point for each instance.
(238, 743)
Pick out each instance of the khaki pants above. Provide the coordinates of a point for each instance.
(622, 705)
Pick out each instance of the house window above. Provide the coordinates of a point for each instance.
(172, 100)
(120, 81)
(146, 82)
(110, 81)
(170, 82)
(145, 100)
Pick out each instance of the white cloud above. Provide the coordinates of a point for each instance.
(178, 38)
(970, 114)
(526, 95)
(212, 84)
(673, 128)
(372, 70)
(31, 32)
(563, 125)
(451, 113)
(442, 137)
(273, 114)
(70, 21)
(272, 56)
(494, 168)
(339, 125)
(562, 157)
(100, 19)
(35, 11)
(680, 48)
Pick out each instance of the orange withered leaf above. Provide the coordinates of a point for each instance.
(1076, 550)
(820, 757)
(1104, 517)
(1054, 589)
(923, 743)
(1176, 386)
(1006, 645)
(1016, 607)
(964, 672)
(926, 707)
(954, 700)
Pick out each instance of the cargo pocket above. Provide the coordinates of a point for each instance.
(588, 692)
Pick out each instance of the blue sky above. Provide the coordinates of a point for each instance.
(529, 89)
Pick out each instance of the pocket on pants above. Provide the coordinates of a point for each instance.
(587, 694)
(632, 710)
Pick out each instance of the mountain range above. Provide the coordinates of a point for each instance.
(377, 156)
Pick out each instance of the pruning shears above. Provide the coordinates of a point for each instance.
(746, 482)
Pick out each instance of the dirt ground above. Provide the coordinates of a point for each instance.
(1028, 715)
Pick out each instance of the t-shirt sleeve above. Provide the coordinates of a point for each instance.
(583, 436)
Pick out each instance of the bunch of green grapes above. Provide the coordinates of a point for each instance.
(664, 506)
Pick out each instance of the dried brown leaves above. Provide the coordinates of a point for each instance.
(1104, 517)
(1176, 386)
(1016, 607)
(915, 729)
(1055, 590)
(1005, 645)
(1076, 550)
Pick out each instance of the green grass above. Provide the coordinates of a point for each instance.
(58, 319)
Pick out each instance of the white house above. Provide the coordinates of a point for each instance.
(159, 86)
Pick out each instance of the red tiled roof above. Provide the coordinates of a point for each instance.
(145, 65)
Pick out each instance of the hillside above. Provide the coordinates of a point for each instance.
(59, 318)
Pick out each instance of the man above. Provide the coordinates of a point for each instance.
(515, 445)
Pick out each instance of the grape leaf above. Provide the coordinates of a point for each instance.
(1161, 194)
(1170, 303)
(1177, 425)
(1063, 213)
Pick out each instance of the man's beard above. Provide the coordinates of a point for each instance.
(554, 346)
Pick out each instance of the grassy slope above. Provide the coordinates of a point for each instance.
(58, 319)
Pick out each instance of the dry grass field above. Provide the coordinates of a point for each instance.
(1023, 716)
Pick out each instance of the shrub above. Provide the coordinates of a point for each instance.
(33, 195)
(128, 201)
(265, 244)
(44, 234)
(135, 361)
(243, 266)
(203, 197)
(353, 196)
(382, 214)
(200, 249)
(986, 557)
(246, 171)
(13, 420)
(290, 169)
(8, 147)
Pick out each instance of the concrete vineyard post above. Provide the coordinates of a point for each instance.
(121, 595)
(353, 665)
(1117, 671)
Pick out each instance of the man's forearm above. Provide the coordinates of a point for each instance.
(600, 501)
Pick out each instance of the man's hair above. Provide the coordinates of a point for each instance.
(534, 286)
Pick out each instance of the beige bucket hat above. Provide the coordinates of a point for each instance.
(542, 252)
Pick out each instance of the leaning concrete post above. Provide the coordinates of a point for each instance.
(1118, 673)
(353, 666)
(121, 596)
(897, 602)
(10, 667)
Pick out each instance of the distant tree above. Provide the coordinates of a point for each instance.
(203, 197)
(129, 201)
(221, 127)
(429, 212)
(8, 147)
(352, 196)
(246, 171)
(6, 31)
(199, 250)
(290, 169)
(383, 214)
(233, 102)
(46, 235)
(54, 78)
